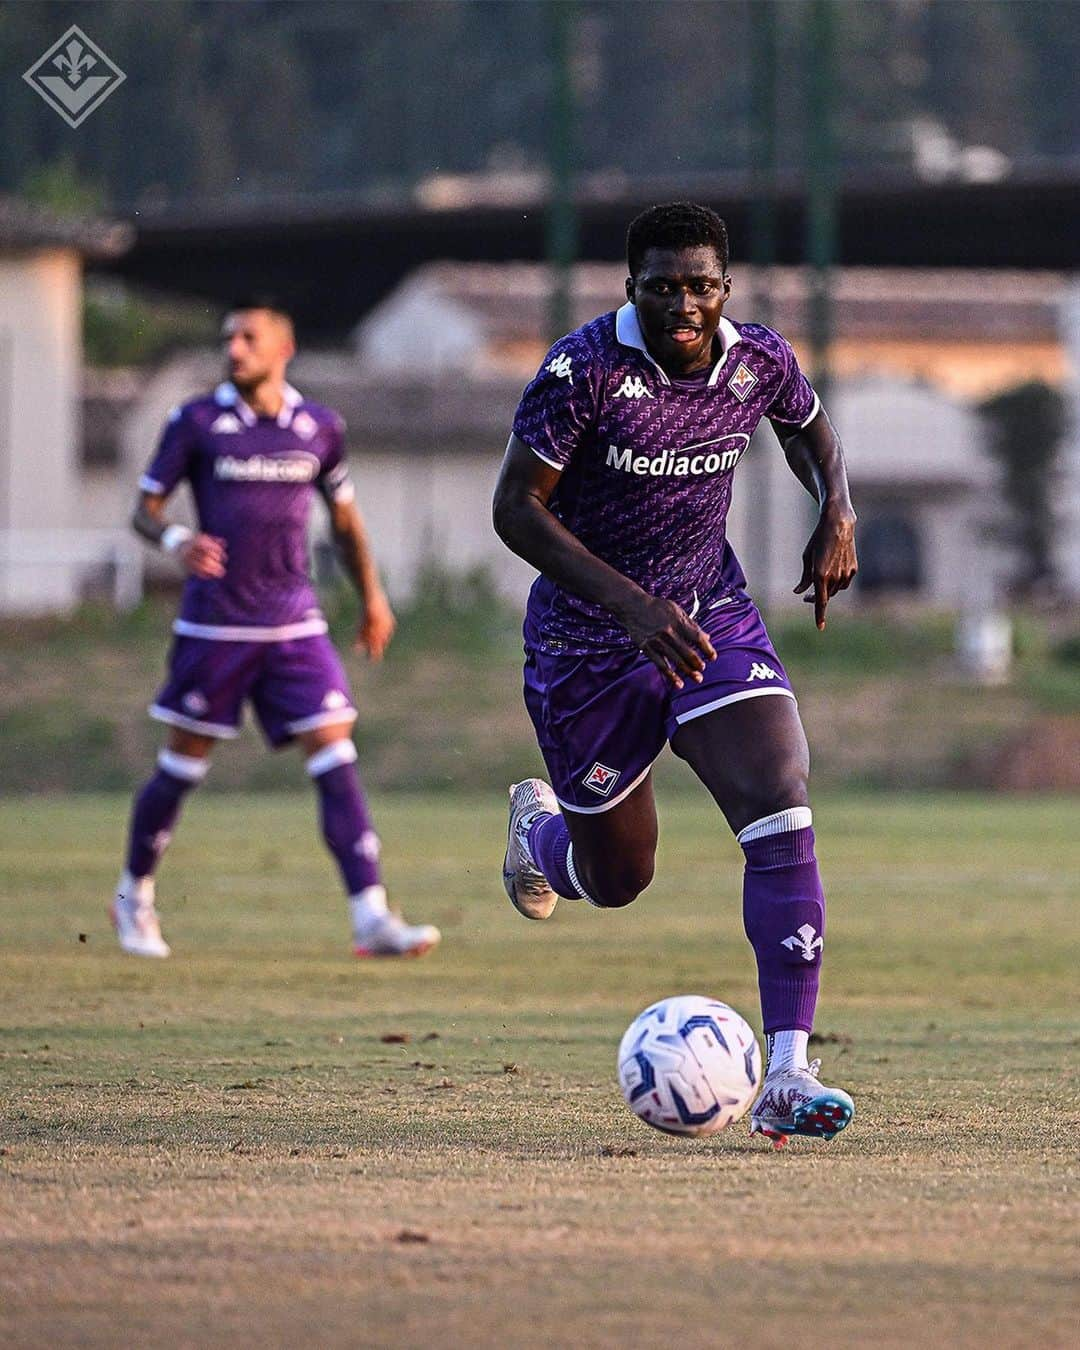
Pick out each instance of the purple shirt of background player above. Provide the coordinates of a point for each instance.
(252, 479)
(250, 630)
(616, 485)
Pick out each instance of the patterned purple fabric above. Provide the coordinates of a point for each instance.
(253, 479)
(648, 464)
(602, 717)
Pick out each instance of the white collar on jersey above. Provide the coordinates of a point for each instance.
(628, 332)
(226, 395)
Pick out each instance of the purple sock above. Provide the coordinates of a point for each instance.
(343, 811)
(549, 844)
(784, 917)
(157, 808)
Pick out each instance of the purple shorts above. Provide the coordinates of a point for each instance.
(293, 686)
(602, 719)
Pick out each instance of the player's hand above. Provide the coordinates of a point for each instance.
(829, 561)
(203, 555)
(376, 627)
(667, 635)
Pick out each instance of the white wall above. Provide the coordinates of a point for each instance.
(1068, 497)
(40, 364)
(905, 443)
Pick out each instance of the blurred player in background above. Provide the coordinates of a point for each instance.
(255, 453)
(615, 486)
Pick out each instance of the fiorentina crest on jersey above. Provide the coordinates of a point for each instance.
(600, 779)
(742, 382)
(305, 425)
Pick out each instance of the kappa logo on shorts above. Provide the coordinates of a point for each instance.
(600, 779)
(334, 699)
(760, 671)
(195, 703)
(742, 382)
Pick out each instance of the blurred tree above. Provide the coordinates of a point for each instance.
(1024, 430)
(59, 187)
(258, 96)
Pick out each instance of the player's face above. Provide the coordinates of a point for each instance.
(679, 294)
(258, 346)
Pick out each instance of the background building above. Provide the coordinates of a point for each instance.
(44, 545)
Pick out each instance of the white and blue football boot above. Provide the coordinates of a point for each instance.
(796, 1102)
(529, 890)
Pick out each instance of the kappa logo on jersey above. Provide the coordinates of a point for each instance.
(600, 779)
(226, 425)
(742, 382)
(301, 468)
(561, 367)
(760, 671)
(633, 386)
(305, 425)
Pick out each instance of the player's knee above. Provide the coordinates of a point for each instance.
(616, 885)
(785, 787)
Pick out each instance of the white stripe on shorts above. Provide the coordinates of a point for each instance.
(322, 719)
(218, 730)
(729, 698)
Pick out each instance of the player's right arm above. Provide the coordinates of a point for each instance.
(522, 519)
(202, 555)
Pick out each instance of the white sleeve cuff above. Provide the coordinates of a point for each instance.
(815, 409)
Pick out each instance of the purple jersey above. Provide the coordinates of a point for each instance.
(253, 479)
(648, 463)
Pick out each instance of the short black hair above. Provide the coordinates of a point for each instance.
(675, 225)
(260, 300)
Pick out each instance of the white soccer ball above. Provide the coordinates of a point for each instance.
(689, 1065)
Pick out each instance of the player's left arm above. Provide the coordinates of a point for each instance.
(816, 458)
(377, 623)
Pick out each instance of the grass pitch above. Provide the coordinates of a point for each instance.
(264, 1142)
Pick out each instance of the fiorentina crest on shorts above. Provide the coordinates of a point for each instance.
(600, 779)
(742, 382)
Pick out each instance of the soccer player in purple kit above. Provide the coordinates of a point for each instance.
(639, 630)
(255, 453)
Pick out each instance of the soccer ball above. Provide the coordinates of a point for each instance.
(689, 1065)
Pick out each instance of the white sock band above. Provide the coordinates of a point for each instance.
(782, 822)
(787, 1050)
(331, 757)
(571, 872)
(188, 768)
